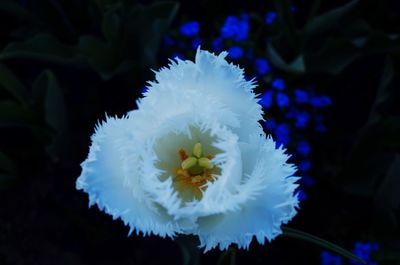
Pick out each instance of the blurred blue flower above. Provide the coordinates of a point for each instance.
(168, 41)
(278, 84)
(319, 124)
(307, 181)
(178, 55)
(364, 250)
(190, 29)
(266, 99)
(235, 52)
(144, 90)
(282, 100)
(270, 124)
(181, 44)
(291, 113)
(302, 119)
(304, 165)
(236, 28)
(301, 96)
(321, 101)
(302, 195)
(282, 132)
(320, 128)
(196, 43)
(217, 44)
(329, 259)
(270, 17)
(262, 66)
(249, 54)
(303, 148)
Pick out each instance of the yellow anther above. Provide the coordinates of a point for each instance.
(189, 162)
(197, 150)
(197, 179)
(205, 162)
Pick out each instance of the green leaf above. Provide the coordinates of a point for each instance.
(15, 115)
(387, 202)
(227, 257)
(10, 82)
(111, 25)
(49, 94)
(7, 180)
(296, 66)
(16, 10)
(43, 47)
(332, 58)
(329, 19)
(287, 25)
(190, 250)
(383, 94)
(7, 164)
(144, 28)
(391, 133)
(294, 233)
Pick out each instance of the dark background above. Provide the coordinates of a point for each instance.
(64, 64)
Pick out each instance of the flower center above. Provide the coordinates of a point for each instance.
(194, 171)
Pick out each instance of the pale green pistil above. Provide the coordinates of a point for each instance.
(196, 163)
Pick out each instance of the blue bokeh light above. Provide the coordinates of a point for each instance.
(282, 100)
(262, 66)
(235, 52)
(235, 27)
(278, 84)
(190, 29)
(270, 17)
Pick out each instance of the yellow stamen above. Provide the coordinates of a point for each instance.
(197, 150)
(197, 179)
(194, 171)
(205, 162)
(189, 162)
(182, 154)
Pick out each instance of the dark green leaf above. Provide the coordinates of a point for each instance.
(42, 47)
(7, 164)
(13, 114)
(332, 58)
(297, 66)
(227, 257)
(329, 19)
(387, 202)
(16, 10)
(144, 28)
(383, 93)
(6, 180)
(11, 83)
(190, 249)
(391, 133)
(287, 25)
(111, 25)
(294, 233)
(49, 93)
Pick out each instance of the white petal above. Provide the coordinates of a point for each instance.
(266, 195)
(207, 85)
(106, 181)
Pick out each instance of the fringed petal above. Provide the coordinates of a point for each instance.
(104, 179)
(266, 196)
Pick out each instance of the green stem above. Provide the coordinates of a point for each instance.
(294, 233)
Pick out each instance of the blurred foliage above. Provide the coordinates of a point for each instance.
(64, 63)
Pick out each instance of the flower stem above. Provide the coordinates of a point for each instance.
(294, 233)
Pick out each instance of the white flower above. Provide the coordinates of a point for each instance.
(193, 159)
